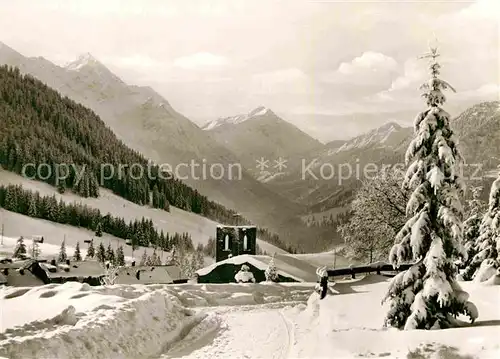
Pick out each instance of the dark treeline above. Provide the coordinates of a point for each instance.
(265, 235)
(140, 232)
(42, 129)
(328, 221)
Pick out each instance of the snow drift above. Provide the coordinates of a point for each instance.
(118, 322)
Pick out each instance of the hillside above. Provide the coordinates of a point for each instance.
(176, 220)
(147, 123)
(87, 155)
(334, 172)
(261, 134)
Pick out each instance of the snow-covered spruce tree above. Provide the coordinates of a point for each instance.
(271, 272)
(77, 256)
(474, 215)
(487, 245)
(110, 254)
(90, 250)
(144, 259)
(62, 256)
(427, 296)
(20, 248)
(35, 249)
(120, 256)
(101, 253)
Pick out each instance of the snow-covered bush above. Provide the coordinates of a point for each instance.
(20, 249)
(487, 245)
(271, 272)
(244, 275)
(427, 296)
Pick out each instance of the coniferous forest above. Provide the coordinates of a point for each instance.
(40, 129)
(140, 232)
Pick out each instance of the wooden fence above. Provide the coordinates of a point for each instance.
(325, 274)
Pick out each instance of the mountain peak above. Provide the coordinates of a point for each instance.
(259, 111)
(83, 60)
(6, 48)
(234, 120)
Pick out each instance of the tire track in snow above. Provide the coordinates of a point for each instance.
(243, 333)
(290, 330)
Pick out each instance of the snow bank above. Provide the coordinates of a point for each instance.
(350, 326)
(78, 321)
(212, 295)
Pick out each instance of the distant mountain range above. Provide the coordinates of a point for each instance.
(261, 135)
(146, 122)
(477, 128)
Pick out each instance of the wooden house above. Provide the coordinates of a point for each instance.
(90, 271)
(164, 274)
(26, 273)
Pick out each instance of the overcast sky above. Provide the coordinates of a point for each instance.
(323, 65)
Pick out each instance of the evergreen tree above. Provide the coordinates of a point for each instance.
(91, 250)
(487, 245)
(120, 256)
(472, 225)
(110, 254)
(271, 272)
(173, 260)
(200, 259)
(77, 256)
(101, 253)
(98, 231)
(156, 259)
(144, 259)
(32, 208)
(35, 249)
(427, 295)
(62, 256)
(20, 248)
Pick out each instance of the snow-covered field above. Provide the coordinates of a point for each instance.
(229, 321)
(177, 220)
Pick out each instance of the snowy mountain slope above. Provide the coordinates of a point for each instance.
(478, 129)
(233, 120)
(261, 134)
(177, 220)
(146, 122)
(389, 135)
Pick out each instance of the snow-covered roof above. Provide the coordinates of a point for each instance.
(286, 266)
(87, 268)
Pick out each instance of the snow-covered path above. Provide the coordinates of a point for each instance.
(239, 332)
